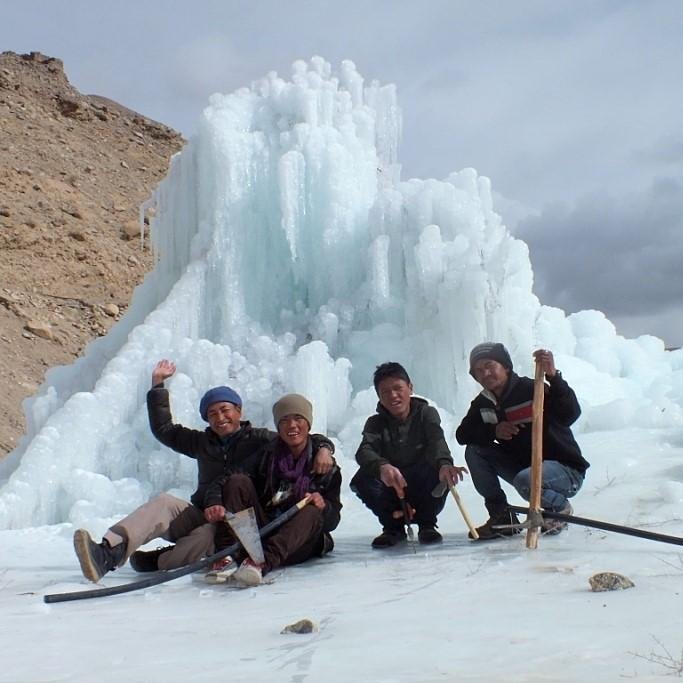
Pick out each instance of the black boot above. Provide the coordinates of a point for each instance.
(502, 517)
(148, 560)
(96, 559)
(389, 537)
(428, 534)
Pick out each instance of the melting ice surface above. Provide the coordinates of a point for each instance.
(291, 257)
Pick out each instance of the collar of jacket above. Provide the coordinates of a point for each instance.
(415, 404)
(513, 379)
(225, 440)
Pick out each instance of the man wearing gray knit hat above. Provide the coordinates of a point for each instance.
(286, 475)
(497, 434)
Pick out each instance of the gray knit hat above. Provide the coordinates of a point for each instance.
(293, 404)
(492, 351)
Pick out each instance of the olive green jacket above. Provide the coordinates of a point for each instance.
(419, 438)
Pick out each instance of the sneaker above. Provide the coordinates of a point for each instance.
(148, 560)
(389, 538)
(96, 559)
(249, 573)
(552, 527)
(221, 571)
(504, 518)
(428, 534)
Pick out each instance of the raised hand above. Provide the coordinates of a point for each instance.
(162, 371)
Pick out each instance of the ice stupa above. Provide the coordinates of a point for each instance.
(292, 257)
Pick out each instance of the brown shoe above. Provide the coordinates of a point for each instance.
(502, 521)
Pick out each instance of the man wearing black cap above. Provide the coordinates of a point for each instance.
(497, 434)
(227, 445)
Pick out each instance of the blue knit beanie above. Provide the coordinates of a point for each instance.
(216, 395)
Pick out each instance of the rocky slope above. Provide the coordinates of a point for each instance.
(74, 170)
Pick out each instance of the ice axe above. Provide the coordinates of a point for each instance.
(245, 527)
(440, 489)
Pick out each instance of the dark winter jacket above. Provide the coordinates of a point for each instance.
(216, 457)
(560, 410)
(418, 438)
(267, 483)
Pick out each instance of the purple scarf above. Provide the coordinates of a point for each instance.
(284, 466)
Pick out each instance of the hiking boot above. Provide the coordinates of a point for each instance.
(503, 518)
(389, 538)
(249, 573)
(96, 559)
(428, 534)
(221, 571)
(148, 560)
(552, 527)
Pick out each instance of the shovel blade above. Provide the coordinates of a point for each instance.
(245, 527)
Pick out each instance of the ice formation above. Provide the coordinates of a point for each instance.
(291, 257)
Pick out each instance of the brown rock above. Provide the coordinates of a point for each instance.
(301, 626)
(111, 310)
(40, 329)
(609, 581)
(130, 230)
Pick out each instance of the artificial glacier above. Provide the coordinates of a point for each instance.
(291, 256)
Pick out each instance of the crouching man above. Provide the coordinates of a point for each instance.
(497, 434)
(403, 458)
(285, 476)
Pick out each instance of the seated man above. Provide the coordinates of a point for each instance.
(403, 458)
(285, 476)
(227, 445)
(497, 435)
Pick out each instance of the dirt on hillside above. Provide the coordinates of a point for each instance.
(74, 170)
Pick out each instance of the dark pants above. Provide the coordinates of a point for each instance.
(294, 542)
(487, 463)
(383, 501)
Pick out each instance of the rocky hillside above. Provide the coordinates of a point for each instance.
(74, 170)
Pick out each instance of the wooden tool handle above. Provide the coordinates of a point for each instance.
(536, 452)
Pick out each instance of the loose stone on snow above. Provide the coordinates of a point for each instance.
(301, 626)
(609, 581)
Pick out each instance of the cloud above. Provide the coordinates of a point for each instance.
(621, 255)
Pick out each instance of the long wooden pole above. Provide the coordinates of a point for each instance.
(536, 453)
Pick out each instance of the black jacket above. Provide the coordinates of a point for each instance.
(419, 438)
(560, 410)
(215, 457)
(327, 485)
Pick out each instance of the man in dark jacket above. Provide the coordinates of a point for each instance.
(285, 476)
(403, 457)
(497, 434)
(228, 445)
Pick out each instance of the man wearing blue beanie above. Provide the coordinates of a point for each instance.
(227, 446)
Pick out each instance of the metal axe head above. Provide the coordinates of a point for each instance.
(534, 520)
(245, 527)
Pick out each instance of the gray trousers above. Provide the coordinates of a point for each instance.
(153, 520)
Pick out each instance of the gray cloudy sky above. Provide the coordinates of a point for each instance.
(573, 108)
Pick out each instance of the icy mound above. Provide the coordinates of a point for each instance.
(292, 258)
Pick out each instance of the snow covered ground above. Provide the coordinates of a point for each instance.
(292, 257)
(464, 611)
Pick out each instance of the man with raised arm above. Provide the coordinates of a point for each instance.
(226, 446)
(497, 434)
(403, 458)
